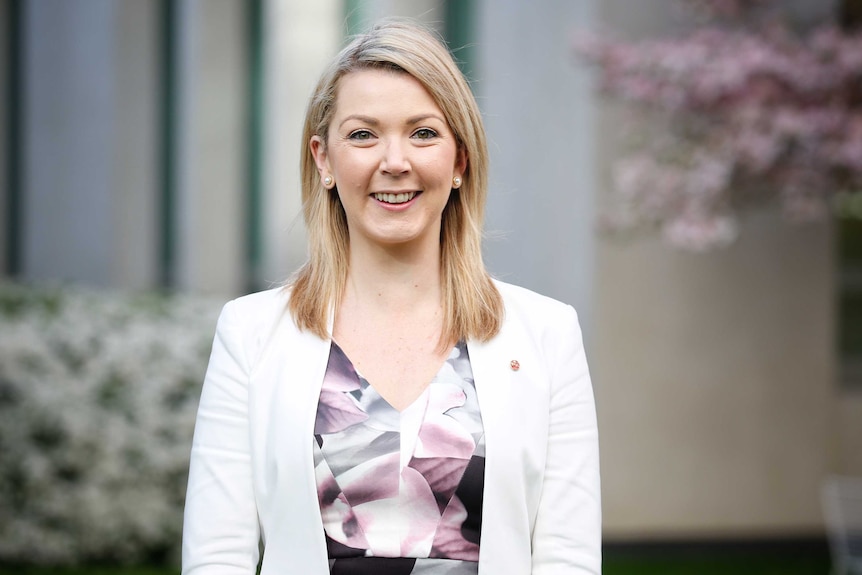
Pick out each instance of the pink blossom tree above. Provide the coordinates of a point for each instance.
(743, 109)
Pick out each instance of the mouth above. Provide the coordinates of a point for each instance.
(399, 198)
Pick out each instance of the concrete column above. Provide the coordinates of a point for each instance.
(90, 131)
(134, 251)
(70, 114)
(302, 37)
(538, 111)
(212, 81)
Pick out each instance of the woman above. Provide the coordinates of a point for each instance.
(328, 429)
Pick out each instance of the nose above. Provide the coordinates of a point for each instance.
(394, 161)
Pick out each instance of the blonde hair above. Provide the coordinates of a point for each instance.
(472, 306)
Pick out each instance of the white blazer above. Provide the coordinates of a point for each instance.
(252, 475)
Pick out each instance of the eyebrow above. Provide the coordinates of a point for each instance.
(375, 122)
(361, 118)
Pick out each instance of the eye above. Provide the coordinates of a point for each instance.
(360, 135)
(424, 134)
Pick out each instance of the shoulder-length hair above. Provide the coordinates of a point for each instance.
(472, 306)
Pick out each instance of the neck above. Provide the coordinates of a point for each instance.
(394, 278)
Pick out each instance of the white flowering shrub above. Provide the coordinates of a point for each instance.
(98, 393)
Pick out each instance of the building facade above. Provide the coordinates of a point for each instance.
(154, 144)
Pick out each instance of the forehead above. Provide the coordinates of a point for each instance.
(382, 91)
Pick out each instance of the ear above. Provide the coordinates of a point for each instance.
(460, 162)
(318, 151)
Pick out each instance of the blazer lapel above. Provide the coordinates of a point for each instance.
(295, 368)
(504, 405)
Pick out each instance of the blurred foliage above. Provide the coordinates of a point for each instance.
(98, 394)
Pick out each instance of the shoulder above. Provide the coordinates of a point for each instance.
(256, 311)
(253, 320)
(528, 305)
(548, 323)
(262, 303)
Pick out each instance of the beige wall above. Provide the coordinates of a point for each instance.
(715, 374)
(715, 383)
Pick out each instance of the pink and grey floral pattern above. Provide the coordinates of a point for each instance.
(400, 492)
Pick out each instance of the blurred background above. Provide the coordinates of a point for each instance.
(150, 147)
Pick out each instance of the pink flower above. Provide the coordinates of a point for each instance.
(441, 435)
(423, 514)
(338, 410)
(731, 108)
(700, 232)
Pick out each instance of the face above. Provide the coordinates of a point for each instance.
(392, 157)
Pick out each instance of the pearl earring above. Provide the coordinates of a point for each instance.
(327, 181)
(456, 182)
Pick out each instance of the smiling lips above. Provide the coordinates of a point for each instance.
(399, 198)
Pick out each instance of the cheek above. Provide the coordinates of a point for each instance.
(439, 169)
(352, 168)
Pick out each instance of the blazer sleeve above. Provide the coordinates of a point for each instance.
(221, 530)
(567, 533)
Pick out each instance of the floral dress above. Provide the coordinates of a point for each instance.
(400, 492)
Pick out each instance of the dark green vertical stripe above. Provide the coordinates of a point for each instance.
(460, 33)
(254, 235)
(848, 231)
(167, 199)
(354, 17)
(14, 136)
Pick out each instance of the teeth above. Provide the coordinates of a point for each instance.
(395, 198)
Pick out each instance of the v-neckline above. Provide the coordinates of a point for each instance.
(383, 398)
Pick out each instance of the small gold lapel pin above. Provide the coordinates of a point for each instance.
(515, 365)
